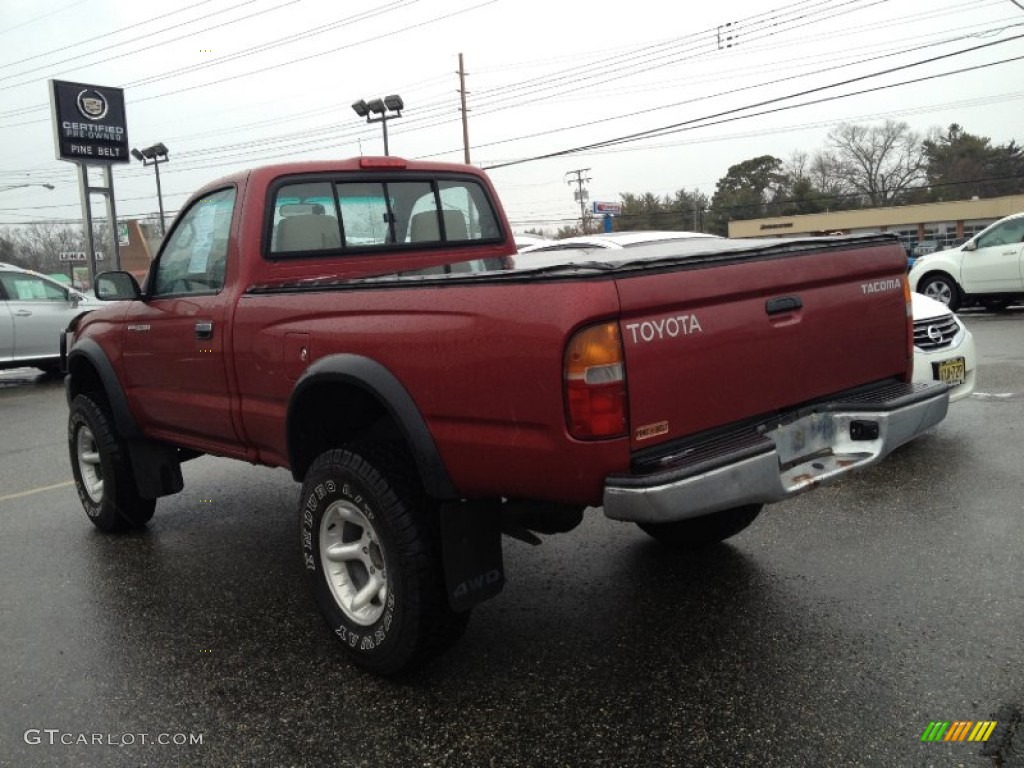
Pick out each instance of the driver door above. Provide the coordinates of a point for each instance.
(995, 265)
(175, 340)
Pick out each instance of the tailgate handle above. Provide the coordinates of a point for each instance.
(782, 304)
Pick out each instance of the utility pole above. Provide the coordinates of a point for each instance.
(465, 117)
(581, 194)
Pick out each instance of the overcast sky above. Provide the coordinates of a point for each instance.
(230, 84)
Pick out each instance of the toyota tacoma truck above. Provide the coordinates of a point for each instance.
(368, 325)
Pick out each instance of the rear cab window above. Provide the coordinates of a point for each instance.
(336, 216)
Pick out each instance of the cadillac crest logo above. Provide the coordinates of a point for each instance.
(92, 104)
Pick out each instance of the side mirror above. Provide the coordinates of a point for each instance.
(73, 298)
(970, 245)
(117, 286)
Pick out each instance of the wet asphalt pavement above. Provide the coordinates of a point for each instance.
(830, 633)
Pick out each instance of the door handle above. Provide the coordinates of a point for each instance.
(783, 304)
(204, 330)
(23, 313)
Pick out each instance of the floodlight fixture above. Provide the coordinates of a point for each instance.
(386, 109)
(154, 155)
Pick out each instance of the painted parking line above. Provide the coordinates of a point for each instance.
(34, 491)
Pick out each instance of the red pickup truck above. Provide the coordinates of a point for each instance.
(368, 325)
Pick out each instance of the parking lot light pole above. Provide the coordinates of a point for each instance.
(381, 107)
(155, 155)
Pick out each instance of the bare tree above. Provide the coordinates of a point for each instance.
(827, 176)
(878, 161)
(39, 245)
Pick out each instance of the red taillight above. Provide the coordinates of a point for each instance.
(595, 383)
(908, 300)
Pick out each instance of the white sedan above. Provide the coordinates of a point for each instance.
(943, 347)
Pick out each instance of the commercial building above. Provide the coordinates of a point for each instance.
(932, 225)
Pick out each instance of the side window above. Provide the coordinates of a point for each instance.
(195, 257)
(20, 287)
(304, 219)
(1008, 233)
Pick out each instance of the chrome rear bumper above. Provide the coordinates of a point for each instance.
(772, 461)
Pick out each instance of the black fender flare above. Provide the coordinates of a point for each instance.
(155, 465)
(381, 384)
(94, 354)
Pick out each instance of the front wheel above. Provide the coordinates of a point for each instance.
(700, 532)
(371, 547)
(941, 288)
(102, 470)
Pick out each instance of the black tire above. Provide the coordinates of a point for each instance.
(942, 287)
(366, 504)
(705, 531)
(102, 470)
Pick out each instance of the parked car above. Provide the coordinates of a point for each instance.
(34, 311)
(943, 347)
(988, 268)
(614, 240)
(528, 241)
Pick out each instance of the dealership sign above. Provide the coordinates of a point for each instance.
(78, 256)
(612, 208)
(89, 123)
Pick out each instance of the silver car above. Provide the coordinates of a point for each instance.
(34, 311)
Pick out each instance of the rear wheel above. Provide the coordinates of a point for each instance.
(371, 545)
(700, 532)
(942, 288)
(102, 470)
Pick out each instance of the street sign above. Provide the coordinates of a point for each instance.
(122, 234)
(612, 208)
(89, 124)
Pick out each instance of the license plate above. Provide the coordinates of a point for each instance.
(951, 371)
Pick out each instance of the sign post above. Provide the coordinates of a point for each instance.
(608, 210)
(90, 129)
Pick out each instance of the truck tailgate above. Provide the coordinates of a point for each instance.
(711, 344)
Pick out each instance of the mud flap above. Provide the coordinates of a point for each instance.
(156, 468)
(471, 547)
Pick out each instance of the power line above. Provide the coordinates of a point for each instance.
(40, 18)
(653, 132)
(330, 128)
(115, 32)
(773, 81)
